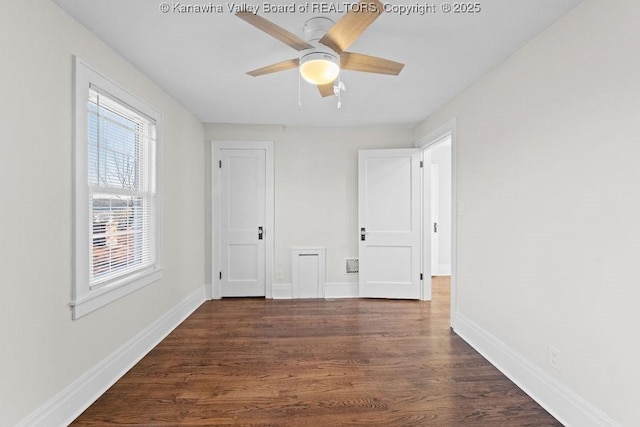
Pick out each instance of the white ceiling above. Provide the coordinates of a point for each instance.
(201, 58)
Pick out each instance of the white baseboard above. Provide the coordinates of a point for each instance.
(65, 406)
(282, 291)
(341, 290)
(444, 270)
(559, 400)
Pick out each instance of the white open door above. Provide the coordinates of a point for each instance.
(389, 217)
(242, 222)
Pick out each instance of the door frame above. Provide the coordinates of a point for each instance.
(431, 139)
(216, 147)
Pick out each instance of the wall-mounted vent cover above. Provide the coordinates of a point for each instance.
(353, 266)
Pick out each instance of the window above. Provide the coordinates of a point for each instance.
(117, 195)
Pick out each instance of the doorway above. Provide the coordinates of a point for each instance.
(405, 236)
(242, 183)
(440, 226)
(440, 210)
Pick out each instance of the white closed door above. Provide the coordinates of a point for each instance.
(242, 222)
(389, 217)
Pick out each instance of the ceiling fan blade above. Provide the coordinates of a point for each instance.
(274, 68)
(369, 64)
(352, 25)
(274, 30)
(326, 90)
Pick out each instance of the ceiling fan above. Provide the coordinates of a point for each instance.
(324, 53)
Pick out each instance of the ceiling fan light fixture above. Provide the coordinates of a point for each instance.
(319, 68)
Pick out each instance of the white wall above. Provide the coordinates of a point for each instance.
(316, 175)
(547, 176)
(43, 350)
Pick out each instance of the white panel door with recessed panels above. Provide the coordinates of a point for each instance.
(389, 216)
(242, 225)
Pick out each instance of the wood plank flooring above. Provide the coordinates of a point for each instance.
(348, 362)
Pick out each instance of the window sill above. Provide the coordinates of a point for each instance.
(108, 293)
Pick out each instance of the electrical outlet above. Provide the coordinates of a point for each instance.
(554, 358)
(278, 274)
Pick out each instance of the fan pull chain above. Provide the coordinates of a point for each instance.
(339, 93)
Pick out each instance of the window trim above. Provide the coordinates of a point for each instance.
(86, 299)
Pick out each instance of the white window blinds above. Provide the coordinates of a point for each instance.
(121, 188)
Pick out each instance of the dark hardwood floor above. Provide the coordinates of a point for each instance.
(347, 362)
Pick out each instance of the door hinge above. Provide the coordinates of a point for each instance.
(421, 276)
(421, 164)
(220, 275)
(435, 227)
(220, 164)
